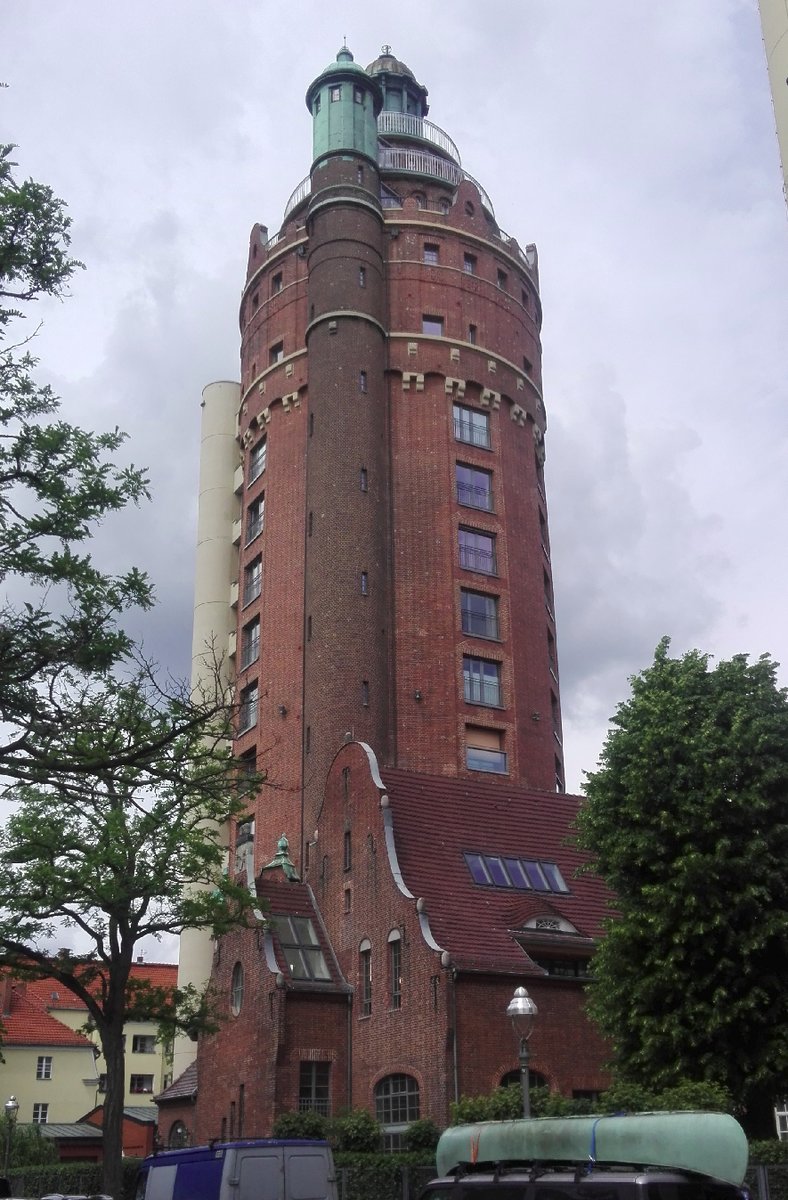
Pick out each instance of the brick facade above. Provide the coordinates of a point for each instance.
(395, 631)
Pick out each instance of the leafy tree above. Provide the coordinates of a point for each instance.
(29, 1147)
(57, 482)
(120, 785)
(687, 821)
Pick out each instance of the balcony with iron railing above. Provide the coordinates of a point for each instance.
(398, 124)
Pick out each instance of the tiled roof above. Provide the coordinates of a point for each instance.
(182, 1088)
(28, 1024)
(436, 820)
(284, 898)
(52, 995)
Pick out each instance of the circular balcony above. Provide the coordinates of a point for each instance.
(397, 124)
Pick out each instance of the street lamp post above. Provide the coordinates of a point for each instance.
(11, 1109)
(521, 1012)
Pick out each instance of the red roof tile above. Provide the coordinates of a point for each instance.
(435, 820)
(52, 995)
(28, 1024)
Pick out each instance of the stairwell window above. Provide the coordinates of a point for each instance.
(479, 614)
(477, 551)
(432, 325)
(247, 712)
(255, 517)
(474, 487)
(250, 643)
(484, 750)
(471, 426)
(257, 459)
(481, 681)
(395, 969)
(253, 579)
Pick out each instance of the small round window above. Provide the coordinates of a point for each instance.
(237, 989)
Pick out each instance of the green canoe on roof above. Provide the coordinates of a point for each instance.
(711, 1144)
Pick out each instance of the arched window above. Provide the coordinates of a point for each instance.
(237, 989)
(365, 976)
(179, 1135)
(535, 1079)
(396, 1107)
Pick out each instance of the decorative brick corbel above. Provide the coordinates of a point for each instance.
(490, 399)
(450, 385)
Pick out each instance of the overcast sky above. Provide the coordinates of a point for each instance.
(633, 142)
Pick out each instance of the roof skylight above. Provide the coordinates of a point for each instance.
(524, 874)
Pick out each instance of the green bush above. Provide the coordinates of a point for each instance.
(355, 1132)
(29, 1147)
(768, 1153)
(422, 1136)
(70, 1179)
(300, 1125)
(381, 1175)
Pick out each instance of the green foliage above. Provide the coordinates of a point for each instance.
(421, 1135)
(29, 1147)
(382, 1175)
(356, 1132)
(80, 1178)
(687, 821)
(767, 1152)
(300, 1125)
(506, 1104)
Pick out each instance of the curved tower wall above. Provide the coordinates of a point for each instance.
(774, 22)
(390, 352)
(216, 571)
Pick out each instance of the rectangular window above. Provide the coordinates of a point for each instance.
(472, 331)
(40, 1114)
(479, 614)
(395, 971)
(335, 93)
(276, 283)
(255, 517)
(257, 459)
(481, 681)
(276, 353)
(474, 487)
(362, 277)
(143, 1043)
(431, 254)
(555, 712)
(471, 426)
(551, 656)
(44, 1066)
(102, 1083)
(432, 325)
(300, 947)
(484, 750)
(477, 551)
(364, 583)
(502, 280)
(247, 769)
(250, 643)
(365, 693)
(358, 95)
(362, 381)
(314, 1079)
(363, 480)
(141, 1084)
(528, 366)
(469, 264)
(365, 973)
(559, 775)
(247, 713)
(253, 579)
(347, 862)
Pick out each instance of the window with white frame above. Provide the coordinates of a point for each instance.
(40, 1114)
(143, 1043)
(365, 976)
(255, 519)
(314, 1083)
(141, 1085)
(44, 1066)
(237, 989)
(395, 969)
(471, 426)
(474, 487)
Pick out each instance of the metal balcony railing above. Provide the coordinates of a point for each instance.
(397, 124)
(473, 433)
(475, 559)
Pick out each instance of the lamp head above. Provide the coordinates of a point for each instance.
(521, 1011)
(11, 1108)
